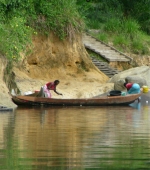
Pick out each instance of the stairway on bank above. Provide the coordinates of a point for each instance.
(104, 50)
(104, 67)
(107, 52)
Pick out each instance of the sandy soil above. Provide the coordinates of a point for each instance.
(70, 87)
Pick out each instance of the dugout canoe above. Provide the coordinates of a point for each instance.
(95, 101)
(3, 108)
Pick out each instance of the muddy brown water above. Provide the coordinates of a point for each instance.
(76, 137)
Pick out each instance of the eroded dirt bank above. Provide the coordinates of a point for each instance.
(54, 59)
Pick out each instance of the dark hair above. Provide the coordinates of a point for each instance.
(56, 81)
(125, 84)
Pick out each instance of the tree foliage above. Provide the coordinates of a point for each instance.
(103, 10)
(21, 18)
(45, 14)
(125, 22)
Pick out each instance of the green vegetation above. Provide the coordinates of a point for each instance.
(15, 35)
(20, 19)
(125, 35)
(125, 23)
(122, 22)
(97, 56)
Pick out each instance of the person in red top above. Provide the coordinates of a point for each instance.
(132, 88)
(51, 86)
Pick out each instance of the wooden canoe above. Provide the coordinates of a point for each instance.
(3, 108)
(95, 101)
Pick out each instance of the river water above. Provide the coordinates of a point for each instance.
(76, 138)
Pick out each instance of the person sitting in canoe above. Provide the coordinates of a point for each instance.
(51, 86)
(132, 88)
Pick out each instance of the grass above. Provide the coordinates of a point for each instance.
(23, 19)
(125, 35)
(94, 55)
(103, 37)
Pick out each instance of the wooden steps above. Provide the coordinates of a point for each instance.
(107, 52)
(104, 67)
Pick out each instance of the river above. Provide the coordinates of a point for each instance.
(76, 138)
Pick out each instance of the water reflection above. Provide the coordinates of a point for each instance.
(57, 134)
(76, 138)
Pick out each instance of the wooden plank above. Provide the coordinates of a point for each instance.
(103, 49)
